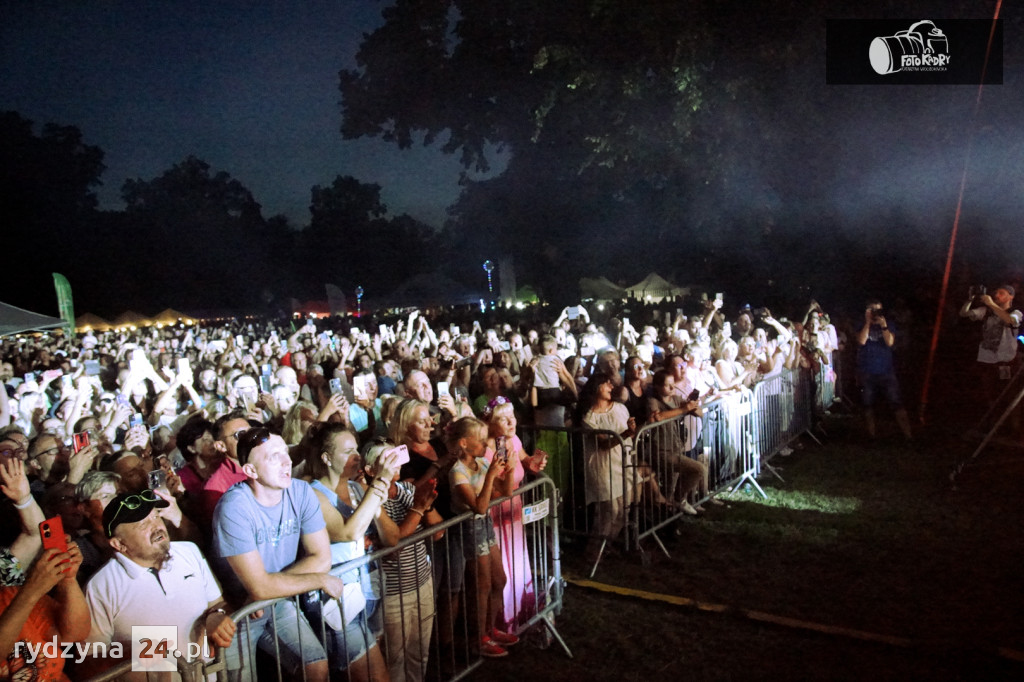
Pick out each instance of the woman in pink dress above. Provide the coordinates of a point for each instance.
(520, 597)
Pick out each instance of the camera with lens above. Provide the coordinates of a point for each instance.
(977, 290)
(877, 314)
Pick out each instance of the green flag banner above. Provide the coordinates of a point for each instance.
(64, 302)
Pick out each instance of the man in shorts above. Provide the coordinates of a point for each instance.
(258, 527)
(875, 368)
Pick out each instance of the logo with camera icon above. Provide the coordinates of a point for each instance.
(922, 47)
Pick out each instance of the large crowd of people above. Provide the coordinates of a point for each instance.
(196, 468)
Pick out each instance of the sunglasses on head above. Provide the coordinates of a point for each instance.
(253, 437)
(131, 502)
(250, 439)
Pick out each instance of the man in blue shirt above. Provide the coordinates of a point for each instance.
(258, 527)
(875, 368)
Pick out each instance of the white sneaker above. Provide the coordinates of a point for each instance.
(687, 508)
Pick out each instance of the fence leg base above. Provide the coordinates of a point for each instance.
(600, 555)
(549, 623)
(773, 471)
(661, 545)
(748, 477)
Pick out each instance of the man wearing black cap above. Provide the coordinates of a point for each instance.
(153, 581)
(997, 352)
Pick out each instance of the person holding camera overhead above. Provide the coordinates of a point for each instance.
(997, 353)
(875, 369)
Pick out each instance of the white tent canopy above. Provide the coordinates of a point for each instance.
(655, 288)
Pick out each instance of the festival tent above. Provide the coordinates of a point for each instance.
(171, 316)
(130, 318)
(600, 289)
(655, 288)
(93, 322)
(14, 320)
(527, 294)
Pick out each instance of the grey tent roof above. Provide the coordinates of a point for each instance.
(429, 289)
(14, 320)
(601, 288)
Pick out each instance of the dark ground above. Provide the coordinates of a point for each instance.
(866, 536)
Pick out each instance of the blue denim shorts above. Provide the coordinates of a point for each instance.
(478, 537)
(297, 642)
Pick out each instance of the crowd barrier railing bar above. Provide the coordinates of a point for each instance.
(526, 522)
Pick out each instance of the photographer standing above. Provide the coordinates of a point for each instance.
(997, 352)
(875, 368)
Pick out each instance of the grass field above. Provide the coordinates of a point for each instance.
(866, 538)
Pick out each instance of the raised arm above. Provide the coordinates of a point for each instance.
(14, 484)
(354, 528)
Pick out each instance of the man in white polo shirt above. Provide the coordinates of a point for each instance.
(152, 581)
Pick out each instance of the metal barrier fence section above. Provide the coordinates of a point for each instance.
(415, 612)
(591, 470)
(411, 611)
(825, 387)
(677, 462)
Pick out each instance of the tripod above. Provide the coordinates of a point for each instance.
(995, 427)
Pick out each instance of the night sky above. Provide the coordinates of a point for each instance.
(252, 88)
(249, 87)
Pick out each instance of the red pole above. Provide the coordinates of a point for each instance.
(956, 225)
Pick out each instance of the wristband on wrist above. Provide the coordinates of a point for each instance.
(25, 502)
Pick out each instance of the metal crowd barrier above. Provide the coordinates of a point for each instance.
(527, 528)
(733, 442)
(825, 388)
(593, 471)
